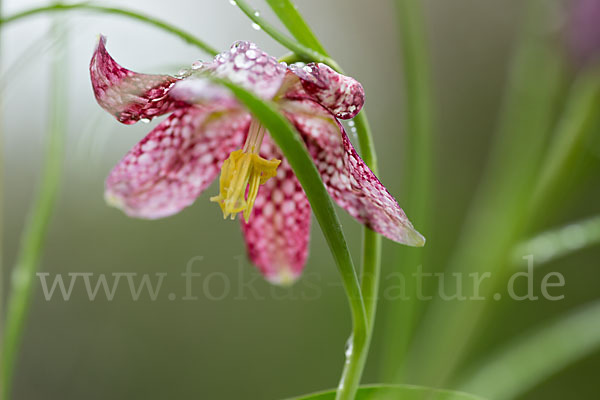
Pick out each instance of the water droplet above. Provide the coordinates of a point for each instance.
(255, 26)
(183, 72)
(351, 123)
(197, 65)
(242, 62)
(348, 350)
(145, 120)
(257, 13)
(232, 2)
(251, 54)
(269, 69)
(221, 58)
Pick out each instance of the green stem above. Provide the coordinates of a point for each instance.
(360, 341)
(59, 7)
(305, 53)
(34, 234)
(296, 154)
(371, 240)
(370, 278)
(418, 164)
(288, 13)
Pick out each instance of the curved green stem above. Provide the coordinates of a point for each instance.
(305, 53)
(288, 13)
(371, 240)
(59, 7)
(295, 152)
(32, 242)
(358, 348)
(356, 357)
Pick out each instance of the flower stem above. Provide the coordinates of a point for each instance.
(358, 348)
(59, 7)
(288, 14)
(295, 152)
(34, 234)
(305, 53)
(371, 239)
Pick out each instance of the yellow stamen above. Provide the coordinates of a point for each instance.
(241, 175)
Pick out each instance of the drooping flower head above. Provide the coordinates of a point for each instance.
(208, 130)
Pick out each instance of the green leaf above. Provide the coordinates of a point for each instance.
(402, 317)
(35, 231)
(530, 359)
(496, 218)
(579, 121)
(559, 242)
(288, 14)
(395, 392)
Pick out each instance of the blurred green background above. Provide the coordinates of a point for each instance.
(258, 342)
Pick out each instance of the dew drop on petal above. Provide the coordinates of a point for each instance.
(251, 54)
(241, 61)
(145, 120)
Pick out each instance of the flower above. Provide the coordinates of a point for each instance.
(208, 131)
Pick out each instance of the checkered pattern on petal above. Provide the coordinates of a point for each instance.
(347, 178)
(342, 95)
(127, 95)
(278, 231)
(170, 167)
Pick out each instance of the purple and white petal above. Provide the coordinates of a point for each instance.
(127, 95)
(170, 167)
(342, 95)
(347, 178)
(278, 231)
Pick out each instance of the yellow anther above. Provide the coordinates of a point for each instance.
(241, 175)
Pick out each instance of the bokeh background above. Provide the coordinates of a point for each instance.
(258, 342)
